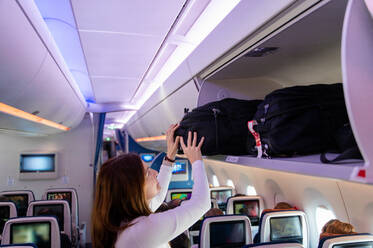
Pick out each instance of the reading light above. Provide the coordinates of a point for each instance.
(27, 116)
(153, 138)
(213, 14)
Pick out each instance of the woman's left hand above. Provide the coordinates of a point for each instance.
(172, 144)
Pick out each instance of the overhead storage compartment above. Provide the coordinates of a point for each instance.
(33, 76)
(302, 51)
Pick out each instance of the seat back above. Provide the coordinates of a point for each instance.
(217, 231)
(284, 225)
(21, 199)
(8, 210)
(362, 240)
(251, 205)
(58, 208)
(184, 194)
(71, 196)
(221, 195)
(21, 246)
(43, 231)
(278, 244)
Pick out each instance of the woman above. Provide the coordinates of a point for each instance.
(128, 192)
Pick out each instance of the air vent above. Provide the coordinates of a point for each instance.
(261, 51)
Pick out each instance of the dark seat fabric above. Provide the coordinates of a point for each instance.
(257, 236)
(271, 243)
(65, 241)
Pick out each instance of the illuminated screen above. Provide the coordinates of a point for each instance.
(221, 196)
(227, 234)
(21, 202)
(60, 196)
(51, 210)
(286, 228)
(147, 157)
(37, 233)
(249, 208)
(181, 195)
(180, 167)
(353, 245)
(4, 216)
(37, 163)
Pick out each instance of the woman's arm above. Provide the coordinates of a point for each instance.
(164, 178)
(160, 228)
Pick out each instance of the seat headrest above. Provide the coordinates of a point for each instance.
(344, 239)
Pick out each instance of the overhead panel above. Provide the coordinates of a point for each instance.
(120, 40)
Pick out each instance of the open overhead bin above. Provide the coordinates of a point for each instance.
(329, 42)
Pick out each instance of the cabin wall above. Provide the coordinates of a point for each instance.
(350, 202)
(75, 151)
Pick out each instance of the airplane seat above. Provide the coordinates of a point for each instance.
(283, 225)
(250, 205)
(196, 227)
(221, 195)
(277, 244)
(362, 240)
(21, 199)
(58, 208)
(71, 196)
(43, 231)
(8, 210)
(225, 230)
(21, 246)
(183, 194)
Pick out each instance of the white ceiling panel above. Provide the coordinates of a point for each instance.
(110, 90)
(118, 55)
(140, 16)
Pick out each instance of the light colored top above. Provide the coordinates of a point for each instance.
(156, 230)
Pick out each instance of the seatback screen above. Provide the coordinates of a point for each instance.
(179, 167)
(221, 196)
(51, 210)
(60, 196)
(285, 228)
(227, 234)
(37, 233)
(21, 202)
(181, 195)
(37, 163)
(249, 208)
(4, 216)
(355, 245)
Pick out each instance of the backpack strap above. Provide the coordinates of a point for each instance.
(350, 153)
(216, 114)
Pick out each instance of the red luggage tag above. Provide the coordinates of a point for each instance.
(258, 143)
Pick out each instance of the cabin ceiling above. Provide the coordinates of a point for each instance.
(120, 39)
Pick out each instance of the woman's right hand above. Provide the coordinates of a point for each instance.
(191, 150)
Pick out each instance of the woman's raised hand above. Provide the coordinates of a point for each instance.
(172, 143)
(191, 150)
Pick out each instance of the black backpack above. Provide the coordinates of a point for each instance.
(300, 120)
(222, 123)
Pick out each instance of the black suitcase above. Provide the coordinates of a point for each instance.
(299, 120)
(222, 123)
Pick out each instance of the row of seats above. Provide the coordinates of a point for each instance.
(60, 203)
(274, 228)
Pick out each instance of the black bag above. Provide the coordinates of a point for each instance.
(346, 144)
(300, 120)
(222, 123)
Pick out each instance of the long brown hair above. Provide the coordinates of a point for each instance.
(119, 198)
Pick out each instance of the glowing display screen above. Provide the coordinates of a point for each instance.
(37, 163)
